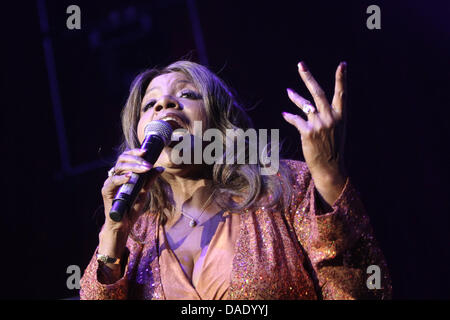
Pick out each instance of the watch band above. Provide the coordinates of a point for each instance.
(107, 259)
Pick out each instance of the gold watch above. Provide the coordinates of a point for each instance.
(107, 259)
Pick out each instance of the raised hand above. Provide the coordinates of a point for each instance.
(320, 150)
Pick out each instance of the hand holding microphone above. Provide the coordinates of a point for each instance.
(133, 175)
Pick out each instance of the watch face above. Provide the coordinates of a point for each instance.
(102, 259)
(105, 259)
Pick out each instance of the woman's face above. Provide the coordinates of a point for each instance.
(171, 95)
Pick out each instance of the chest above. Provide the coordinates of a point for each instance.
(190, 245)
(188, 250)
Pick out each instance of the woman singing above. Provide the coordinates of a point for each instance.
(226, 231)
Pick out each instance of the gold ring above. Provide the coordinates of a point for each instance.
(111, 172)
(308, 108)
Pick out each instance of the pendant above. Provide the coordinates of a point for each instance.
(192, 223)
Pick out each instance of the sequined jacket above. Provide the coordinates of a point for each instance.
(299, 253)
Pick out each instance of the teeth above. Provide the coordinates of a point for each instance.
(169, 118)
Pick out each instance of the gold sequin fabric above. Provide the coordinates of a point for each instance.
(298, 253)
(340, 244)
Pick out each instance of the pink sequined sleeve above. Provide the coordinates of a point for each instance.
(340, 244)
(96, 283)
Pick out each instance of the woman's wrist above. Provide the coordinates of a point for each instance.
(329, 186)
(112, 242)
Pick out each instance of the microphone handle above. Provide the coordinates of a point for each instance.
(126, 196)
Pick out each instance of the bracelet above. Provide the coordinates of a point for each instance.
(107, 259)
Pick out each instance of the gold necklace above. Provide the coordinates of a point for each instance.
(193, 221)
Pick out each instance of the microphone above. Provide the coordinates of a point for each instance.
(157, 135)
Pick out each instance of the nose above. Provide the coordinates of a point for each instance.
(167, 102)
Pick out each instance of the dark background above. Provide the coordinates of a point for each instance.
(63, 90)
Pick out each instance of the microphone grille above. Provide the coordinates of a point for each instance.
(160, 128)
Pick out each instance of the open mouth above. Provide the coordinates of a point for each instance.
(175, 122)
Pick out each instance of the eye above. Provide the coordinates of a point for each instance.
(190, 94)
(149, 105)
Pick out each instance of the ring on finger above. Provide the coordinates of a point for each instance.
(308, 108)
(112, 172)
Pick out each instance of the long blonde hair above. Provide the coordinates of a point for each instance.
(223, 112)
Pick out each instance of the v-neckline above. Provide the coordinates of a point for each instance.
(174, 265)
(175, 262)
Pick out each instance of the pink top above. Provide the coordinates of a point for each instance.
(215, 263)
(299, 253)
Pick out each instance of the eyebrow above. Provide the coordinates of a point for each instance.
(177, 82)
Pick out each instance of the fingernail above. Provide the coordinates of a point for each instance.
(159, 169)
(128, 174)
(302, 66)
(289, 90)
(344, 66)
(286, 114)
